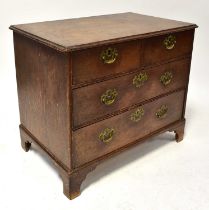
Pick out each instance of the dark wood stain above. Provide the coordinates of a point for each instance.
(155, 51)
(87, 64)
(43, 86)
(72, 34)
(128, 94)
(86, 143)
(60, 80)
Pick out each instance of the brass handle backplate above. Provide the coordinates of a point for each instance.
(109, 96)
(106, 135)
(109, 55)
(162, 111)
(140, 79)
(137, 115)
(166, 78)
(169, 42)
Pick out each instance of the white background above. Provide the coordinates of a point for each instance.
(157, 175)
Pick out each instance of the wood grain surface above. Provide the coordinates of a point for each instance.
(156, 52)
(128, 94)
(87, 65)
(60, 81)
(43, 90)
(86, 143)
(65, 35)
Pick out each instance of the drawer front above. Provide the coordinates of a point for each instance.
(95, 101)
(106, 136)
(100, 62)
(162, 48)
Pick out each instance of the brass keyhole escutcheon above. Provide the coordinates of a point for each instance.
(162, 111)
(109, 96)
(109, 55)
(109, 52)
(166, 78)
(106, 135)
(169, 42)
(137, 115)
(140, 79)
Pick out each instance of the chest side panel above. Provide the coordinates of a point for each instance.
(43, 81)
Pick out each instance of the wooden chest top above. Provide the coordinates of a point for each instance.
(67, 35)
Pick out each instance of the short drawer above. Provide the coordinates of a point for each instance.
(99, 62)
(95, 101)
(165, 47)
(96, 140)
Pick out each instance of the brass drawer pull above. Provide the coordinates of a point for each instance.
(162, 111)
(140, 79)
(106, 135)
(169, 42)
(166, 78)
(109, 55)
(137, 115)
(109, 96)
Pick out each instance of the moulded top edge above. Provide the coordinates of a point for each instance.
(79, 33)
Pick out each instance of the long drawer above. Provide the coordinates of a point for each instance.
(96, 140)
(95, 101)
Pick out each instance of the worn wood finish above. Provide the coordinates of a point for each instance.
(88, 65)
(60, 80)
(156, 52)
(72, 180)
(86, 143)
(43, 88)
(128, 94)
(73, 34)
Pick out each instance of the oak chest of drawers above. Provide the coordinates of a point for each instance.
(90, 88)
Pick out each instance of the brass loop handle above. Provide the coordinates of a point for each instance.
(109, 96)
(109, 55)
(137, 115)
(169, 42)
(162, 111)
(140, 79)
(166, 78)
(106, 135)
